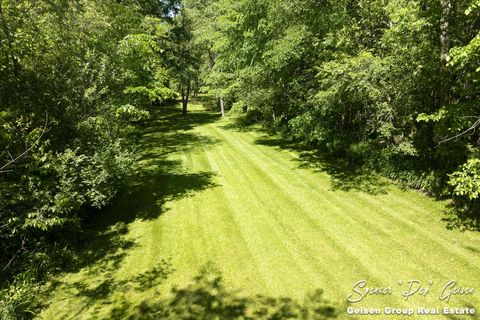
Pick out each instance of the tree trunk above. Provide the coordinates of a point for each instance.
(444, 30)
(10, 40)
(222, 107)
(447, 8)
(441, 94)
(185, 95)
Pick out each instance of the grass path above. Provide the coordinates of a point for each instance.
(272, 220)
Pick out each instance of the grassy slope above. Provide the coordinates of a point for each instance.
(267, 217)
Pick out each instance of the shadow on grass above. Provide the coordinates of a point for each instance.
(170, 119)
(240, 124)
(206, 297)
(345, 176)
(209, 102)
(463, 219)
(156, 179)
(101, 295)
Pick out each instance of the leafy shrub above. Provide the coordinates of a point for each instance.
(466, 181)
(16, 302)
(466, 186)
(80, 180)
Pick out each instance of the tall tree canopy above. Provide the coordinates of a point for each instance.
(389, 84)
(75, 78)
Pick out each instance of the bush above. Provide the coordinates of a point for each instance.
(466, 186)
(466, 181)
(16, 302)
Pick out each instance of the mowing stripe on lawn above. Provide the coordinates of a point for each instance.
(267, 222)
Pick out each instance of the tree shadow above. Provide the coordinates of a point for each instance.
(209, 102)
(207, 297)
(460, 218)
(155, 180)
(345, 175)
(170, 119)
(98, 296)
(146, 196)
(241, 124)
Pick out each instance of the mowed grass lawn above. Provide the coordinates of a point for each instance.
(270, 219)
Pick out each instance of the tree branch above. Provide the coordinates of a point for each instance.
(472, 128)
(24, 153)
(15, 255)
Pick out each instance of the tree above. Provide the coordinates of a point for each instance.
(75, 77)
(370, 80)
(183, 57)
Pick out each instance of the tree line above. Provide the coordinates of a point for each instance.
(76, 80)
(389, 85)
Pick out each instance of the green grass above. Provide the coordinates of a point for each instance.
(270, 219)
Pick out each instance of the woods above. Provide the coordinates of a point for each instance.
(389, 86)
(76, 78)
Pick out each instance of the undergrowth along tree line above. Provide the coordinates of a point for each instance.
(76, 80)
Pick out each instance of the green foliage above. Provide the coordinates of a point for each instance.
(16, 302)
(439, 115)
(363, 80)
(80, 180)
(466, 181)
(391, 85)
(128, 113)
(75, 78)
(475, 5)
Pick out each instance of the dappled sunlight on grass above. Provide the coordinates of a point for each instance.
(207, 297)
(345, 176)
(276, 223)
